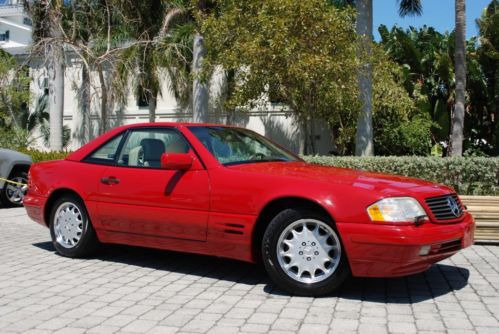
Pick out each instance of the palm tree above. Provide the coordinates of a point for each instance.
(180, 12)
(149, 16)
(47, 18)
(364, 145)
(456, 141)
(427, 57)
(364, 136)
(199, 87)
(200, 90)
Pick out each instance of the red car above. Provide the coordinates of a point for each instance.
(229, 192)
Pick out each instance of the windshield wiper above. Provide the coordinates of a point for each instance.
(270, 160)
(256, 161)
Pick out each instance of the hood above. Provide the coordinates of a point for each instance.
(10, 155)
(385, 184)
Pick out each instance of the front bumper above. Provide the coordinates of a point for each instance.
(390, 251)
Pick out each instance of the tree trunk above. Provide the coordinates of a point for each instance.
(228, 87)
(364, 138)
(86, 104)
(55, 72)
(153, 99)
(460, 69)
(200, 87)
(303, 145)
(103, 103)
(313, 149)
(81, 119)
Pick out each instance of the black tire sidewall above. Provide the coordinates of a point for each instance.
(269, 254)
(88, 241)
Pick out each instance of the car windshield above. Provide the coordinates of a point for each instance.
(238, 146)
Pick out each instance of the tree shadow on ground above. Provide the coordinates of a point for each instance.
(440, 279)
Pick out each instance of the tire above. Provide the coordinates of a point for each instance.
(13, 195)
(286, 242)
(70, 228)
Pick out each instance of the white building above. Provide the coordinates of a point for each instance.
(15, 27)
(272, 120)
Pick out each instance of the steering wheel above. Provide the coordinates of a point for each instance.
(257, 156)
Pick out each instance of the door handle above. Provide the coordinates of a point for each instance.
(109, 180)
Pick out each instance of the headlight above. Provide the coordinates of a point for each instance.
(396, 209)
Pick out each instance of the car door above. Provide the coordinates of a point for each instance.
(137, 196)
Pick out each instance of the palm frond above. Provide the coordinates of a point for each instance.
(410, 7)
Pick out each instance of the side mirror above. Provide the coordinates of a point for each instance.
(176, 161)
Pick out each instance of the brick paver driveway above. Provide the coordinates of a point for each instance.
(125, 289)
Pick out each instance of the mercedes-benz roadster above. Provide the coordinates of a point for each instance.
(229, 192)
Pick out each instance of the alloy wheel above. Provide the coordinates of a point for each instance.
(15, 192)
(68, 225)
(309, 251)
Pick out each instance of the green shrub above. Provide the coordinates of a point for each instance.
(38, 156)
(467, 175)
(14, 138)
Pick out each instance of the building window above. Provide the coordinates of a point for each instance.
(27, 21)
(5, 36)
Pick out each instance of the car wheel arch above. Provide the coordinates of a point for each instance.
(272, 209)
(52, 199)
(24, 168)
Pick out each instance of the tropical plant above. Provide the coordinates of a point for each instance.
(488, 58)
(399, 127)
(427, 58)
(14, 100)
(14, 91)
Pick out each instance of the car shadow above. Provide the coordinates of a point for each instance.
(440, 279)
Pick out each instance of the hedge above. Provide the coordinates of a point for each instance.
(38, 156)
(467, 175)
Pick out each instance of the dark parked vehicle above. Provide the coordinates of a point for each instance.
(14, 167)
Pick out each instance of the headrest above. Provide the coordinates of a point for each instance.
(153, 148)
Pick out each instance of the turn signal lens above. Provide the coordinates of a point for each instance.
(375, 213)
(396, 209)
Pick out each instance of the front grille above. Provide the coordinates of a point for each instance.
(445, 207)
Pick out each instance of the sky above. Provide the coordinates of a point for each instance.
(436, 13)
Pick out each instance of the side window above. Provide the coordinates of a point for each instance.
(106, 153)
(143, 147)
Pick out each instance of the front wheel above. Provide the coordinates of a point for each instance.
(303, 254)
(70, 228)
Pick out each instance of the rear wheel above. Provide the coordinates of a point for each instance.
(70, 228)
(303, 254)
(13, 193)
